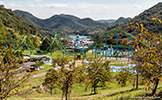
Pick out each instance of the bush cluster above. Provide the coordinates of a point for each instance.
(36, 65)
(33, 59)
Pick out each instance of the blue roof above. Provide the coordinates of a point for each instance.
(75, 44)
(77, 36)
(77, 40)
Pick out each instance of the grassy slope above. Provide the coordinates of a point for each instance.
(111, 91)
(46, 68)
(55, 53)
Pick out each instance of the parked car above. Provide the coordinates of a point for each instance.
(31, 69)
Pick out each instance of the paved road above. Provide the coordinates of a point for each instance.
(27, 64)
(24, 67)
(119, 59)
(56, 68)
(44, 73)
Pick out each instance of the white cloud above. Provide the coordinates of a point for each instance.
(31, 5)
(137, 6)
(82, 6)
(60, 5)
(1, 2)
(37, 0)
(13, 4)
(95, 11)
(82, 10)
(49, 5)
(87, 11)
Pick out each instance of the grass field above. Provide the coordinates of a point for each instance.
(46, 68)
(112, 91)
(88, 56)
(58, 52)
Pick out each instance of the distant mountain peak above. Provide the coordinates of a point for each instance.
(65, 24)
(143, 18)
(122, 19)
(114, 21)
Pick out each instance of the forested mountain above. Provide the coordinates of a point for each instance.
(64, 24)
(108, 21)
(15, 27)
(143, 18)
(122, 19)
(113, 21)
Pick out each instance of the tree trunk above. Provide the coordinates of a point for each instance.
(66, 94)
(69, 95)
(137, 82)
(86, 88)
(156, 85)
(1, 91)
(62, 94)
(95, 89)
(51, 90)
(134, 82)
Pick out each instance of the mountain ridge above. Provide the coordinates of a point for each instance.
(122, 20)
(69, 24)
(114, 21)
(16, 27)
(64, 24)
(143, 18)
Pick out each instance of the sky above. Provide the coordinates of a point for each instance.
(95, 9)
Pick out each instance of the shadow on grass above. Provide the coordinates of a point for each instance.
(157, 94)
(121, 92)
(89, 94)
(113, 93)
(160, 94)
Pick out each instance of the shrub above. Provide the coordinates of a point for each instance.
(33, 59)
(36, 65)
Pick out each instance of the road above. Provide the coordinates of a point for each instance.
(44, 73)
(119, 59)
(24, 67)
(56, 68)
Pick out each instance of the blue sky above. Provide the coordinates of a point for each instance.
(95, 9)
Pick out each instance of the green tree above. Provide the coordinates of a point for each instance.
(29, 38)
(148, 55)
(36, 41)
(97, 71)
(53, 45)
(51, 79)
(10, 83)
(45, 44)
(65, 76)
(123, 77)
(64, 42)
(2, 33)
